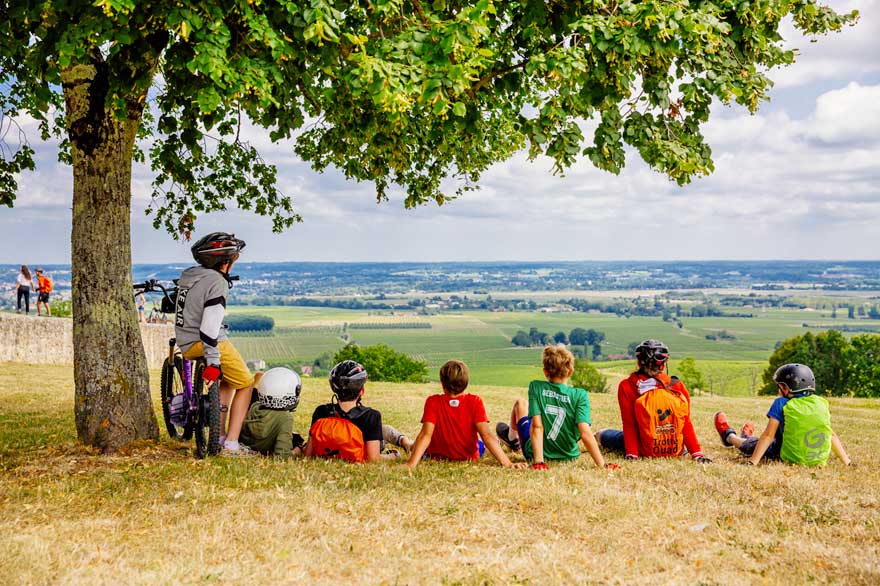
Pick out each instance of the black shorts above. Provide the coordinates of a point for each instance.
(43, 298)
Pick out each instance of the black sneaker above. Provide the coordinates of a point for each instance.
(501, 430)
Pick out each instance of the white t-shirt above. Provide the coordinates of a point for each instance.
(23, 281)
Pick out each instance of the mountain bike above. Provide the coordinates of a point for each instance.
(188, 409)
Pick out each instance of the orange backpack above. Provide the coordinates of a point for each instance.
(337, 437)
(45, 284)
(661, 414)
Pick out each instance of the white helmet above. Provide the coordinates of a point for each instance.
(279, 389)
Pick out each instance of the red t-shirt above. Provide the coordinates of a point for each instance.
(455, 420)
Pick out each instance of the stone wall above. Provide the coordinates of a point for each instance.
(49, 340)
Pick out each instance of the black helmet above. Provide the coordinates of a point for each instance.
(216, 248)
(797, 377)
(347, 379)
(652, 351)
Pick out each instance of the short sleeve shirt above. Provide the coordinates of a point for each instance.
(368, 420)
(455, 420)
(561, 408)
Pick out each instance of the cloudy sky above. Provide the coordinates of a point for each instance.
(799, 180)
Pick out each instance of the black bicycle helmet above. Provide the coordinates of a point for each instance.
(216, 248)
(347, 379)
(652, 352)
(797, 377)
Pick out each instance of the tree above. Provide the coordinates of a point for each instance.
(578, 337)
(862, 366)
(587, 377)
(560, 338)
(824, 353)
(521, 339)
(395, 92)
(384, 363)
(689, 373)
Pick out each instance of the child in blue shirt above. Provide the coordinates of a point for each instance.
(798, 428)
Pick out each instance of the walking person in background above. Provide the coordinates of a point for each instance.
(141, 305)
(44, 287)
(23, 285)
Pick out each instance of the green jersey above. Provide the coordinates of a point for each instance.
(561, 408)
(268, 431)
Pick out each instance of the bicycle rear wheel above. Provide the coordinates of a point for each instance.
(207, 428)
(171, 386)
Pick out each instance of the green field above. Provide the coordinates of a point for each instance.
(482, 339)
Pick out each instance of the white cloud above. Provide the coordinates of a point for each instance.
(849, 114)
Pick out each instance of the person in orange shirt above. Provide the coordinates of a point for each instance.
(44, 287)
(655, 410)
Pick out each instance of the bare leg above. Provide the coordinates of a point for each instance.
(735, 440)
(396, 438)
(237, 412)
(520, 410)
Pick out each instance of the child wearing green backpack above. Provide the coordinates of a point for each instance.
(798, 428)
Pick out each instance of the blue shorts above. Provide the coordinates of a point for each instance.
(524, 429)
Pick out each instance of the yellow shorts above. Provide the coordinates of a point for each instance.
(235, 371)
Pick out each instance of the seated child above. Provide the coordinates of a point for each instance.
(268, 425)
(565, 409)
(346, 429)
(798, 428)
(655, 410)
(453, 422)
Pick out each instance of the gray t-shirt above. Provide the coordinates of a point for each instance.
(201, 306)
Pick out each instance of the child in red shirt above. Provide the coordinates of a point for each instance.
(453, 421)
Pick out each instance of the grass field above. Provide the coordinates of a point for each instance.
(153, 515)
(482, 339)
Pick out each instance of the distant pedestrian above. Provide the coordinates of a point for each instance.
(23, 285)
(141, 304)
(44, 287)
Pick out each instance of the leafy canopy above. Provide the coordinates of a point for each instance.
(396, 92)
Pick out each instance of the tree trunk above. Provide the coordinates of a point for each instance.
(113, 405)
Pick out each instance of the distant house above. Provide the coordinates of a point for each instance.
(258, 364)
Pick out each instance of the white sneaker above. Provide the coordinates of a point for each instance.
(242, 451)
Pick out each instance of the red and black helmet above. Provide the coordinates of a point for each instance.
(216, 248)
(652, 352)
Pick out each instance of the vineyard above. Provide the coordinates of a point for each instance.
(730, 365)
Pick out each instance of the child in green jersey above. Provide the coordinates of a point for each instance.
(556, 416)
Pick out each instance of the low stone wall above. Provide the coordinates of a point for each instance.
(49, 340)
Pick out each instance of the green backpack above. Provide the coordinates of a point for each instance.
(806, 438)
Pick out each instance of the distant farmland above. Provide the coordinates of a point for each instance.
(482, 339)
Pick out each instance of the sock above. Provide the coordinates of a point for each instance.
(512, 435)
(230, 445)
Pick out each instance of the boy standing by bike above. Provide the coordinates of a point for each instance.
(199, 329)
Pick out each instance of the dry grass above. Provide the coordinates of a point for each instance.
(156, 516)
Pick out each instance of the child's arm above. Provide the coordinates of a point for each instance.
(590, 443)
(494, 447)
(537, 436)
(372, 451)
(765, 440)
(838, 449)
(310, 448)
(423, 440)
